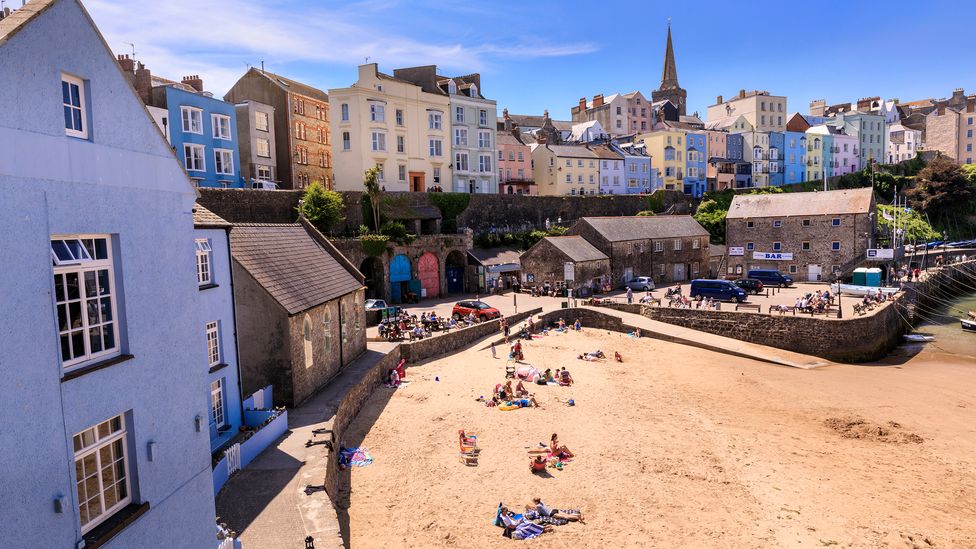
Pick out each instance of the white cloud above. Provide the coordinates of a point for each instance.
(215, 39)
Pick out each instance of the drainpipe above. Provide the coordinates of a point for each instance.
(233, 310)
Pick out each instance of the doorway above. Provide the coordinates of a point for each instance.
(679, 271)
(417, 182)
(814, 273)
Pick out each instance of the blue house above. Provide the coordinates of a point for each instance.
(735, 152)
(794, 157)
(202, 130)
(637, 167)
(695, 182)
(105, 417)
(776, 141)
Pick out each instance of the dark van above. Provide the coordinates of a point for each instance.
(771, 277)
(722, 290)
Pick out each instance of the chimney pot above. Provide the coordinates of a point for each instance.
(742, 94)
(718, 100)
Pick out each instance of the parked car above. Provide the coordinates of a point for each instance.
(481, 310)
(375, 304)
(722, 290)
(641, 284)
(771, 277)
(750, 285)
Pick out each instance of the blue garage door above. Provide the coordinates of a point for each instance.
(399, 273)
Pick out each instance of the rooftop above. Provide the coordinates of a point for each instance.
(576, 248)
(293, 86)
(495, 256)
(205, 219)
(639, 227)
(845, 201)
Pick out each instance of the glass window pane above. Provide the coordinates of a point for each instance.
(62, 318)
(90, 287)
(108, 333)
(101, 248)
(95, 339)
(77, 119)
(71, 280)
(65, 94)
(75, 95)
(106, 304)
(93, 316)
(77, 343)
(61, 250)
(103, 432)
(103, 282)
(59, 287)
(116, 423)
(94, 508)
(65, 347)
(74, 314)
(68, 118)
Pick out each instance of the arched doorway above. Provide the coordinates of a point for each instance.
(454, 271)
(372, 269)
(399, 277)
(429, 272)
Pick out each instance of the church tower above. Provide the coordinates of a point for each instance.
(670, 89)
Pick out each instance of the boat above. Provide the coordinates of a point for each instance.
(968, 325)
(919, 338)
(853, 289)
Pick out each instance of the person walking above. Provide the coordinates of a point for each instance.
(630, 295)
(493, 355)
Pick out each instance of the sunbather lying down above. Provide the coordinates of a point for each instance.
(588, 357)
(518, 527)
(524, 402)
(573, 515)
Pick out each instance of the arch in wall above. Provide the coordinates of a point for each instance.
(429, 272)
(372, 269)
(454, 269)
(399, 277)
(307, 340)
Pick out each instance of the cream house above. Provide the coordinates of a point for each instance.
(391, 123)
(765, 112)
(565, 169)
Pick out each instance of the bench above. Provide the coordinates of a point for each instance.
(748, 306)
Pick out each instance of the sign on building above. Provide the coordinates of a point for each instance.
(881, 254)
(737, 250)
(568, 271)
(773, 256)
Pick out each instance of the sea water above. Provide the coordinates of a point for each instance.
(943, 323)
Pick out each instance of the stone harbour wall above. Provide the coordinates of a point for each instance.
(444, 343)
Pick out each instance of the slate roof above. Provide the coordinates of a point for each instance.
(717, 250)
(572, 151)
(294, 86)
(845, 201)
(205, 219)
(639, 227)
(495, 256)
(295, 269)
(603, 151)
(576, 248)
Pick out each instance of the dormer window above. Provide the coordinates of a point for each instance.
(451, 87)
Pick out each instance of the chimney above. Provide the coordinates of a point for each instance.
(718, 100)
(143, 83)
(971, 103)
(127, 65)
(194, 81)
(508, 120)
(742, 94)
(582, 104)
(940, 106)
(597, 100)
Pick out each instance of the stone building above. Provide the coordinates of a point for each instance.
(670, 248)
(256, 139)
(950, 130)
(619, 114)
(302, 139)
(546, 263)
(810, 236)
(670, 90)
(300, 309)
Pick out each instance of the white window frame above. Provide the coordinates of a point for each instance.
(434, 120)
(189, 115)
(346, 141)
(344, 112)
(659, 246)
(213, 343)
(224, 161)
(435, 147)
(217, 126)
(777, 223)
(90, 443)
(378, 141)
(267, 147)
(204, 261)
(217, 416)
(401, 144)
(459, 114)
(484, 139)
(192, 151)
(483, 117)
(80, 264)
(459, 159)
(677, 244)
(307, 342)
(484, 163)
(377, 112)
(262, 122)
(835, 246)
(461, 137)
(777, 246)
(71, 82)
(398, 117)
(696, 244)
(835, 222)
(263, 173)
(401, 172)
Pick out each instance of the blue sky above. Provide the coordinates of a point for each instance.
(538, 55)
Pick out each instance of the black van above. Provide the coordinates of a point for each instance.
(771, 277)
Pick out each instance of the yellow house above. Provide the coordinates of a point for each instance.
(667, 151)
(391, 123)
(565, 169)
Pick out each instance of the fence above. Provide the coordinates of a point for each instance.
(267, 425)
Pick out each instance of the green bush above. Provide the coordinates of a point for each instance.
(451, 205)
(373, 244)
(322, 208)
(397, 232)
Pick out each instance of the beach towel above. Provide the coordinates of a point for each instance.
(355, 457)
(527, 373)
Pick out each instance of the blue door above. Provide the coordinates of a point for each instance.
(455, 279)
(399, 273)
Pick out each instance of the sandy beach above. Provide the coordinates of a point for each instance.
(676, 447)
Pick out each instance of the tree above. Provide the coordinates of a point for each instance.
(943, 191)
(914, 224)
(371, 180)
(322, 208)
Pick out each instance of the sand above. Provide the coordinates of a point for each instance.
(676, 447)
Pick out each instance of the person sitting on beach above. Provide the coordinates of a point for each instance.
(530, 325)
(617, 357)
(508, 388)
(418, 332)
(520, 528)
(558, 450)
(546, 511)
(564, 378)
(538, 464)
(546, 376)
(577, 325)
(452, 323)
(500, 391)
(520, 390)
(561, 325)
(394, 377)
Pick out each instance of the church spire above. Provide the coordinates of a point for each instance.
(669, 77)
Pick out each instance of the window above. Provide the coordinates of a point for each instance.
(483, 117)
(263, 147)
(301, 106)
(805, 246)
(777, 223)
(579, 163)
(193, 158)
(401, 172)
(661, 269)
(484, 163)
(435, 148)
(261, 121)
(399, 117)
(520, 157)
(434, 120)
(501, 156)
(73, 97)
(569, 178)
(750, 246)
(224, 161)
(461, 136)
(346, 141)
(101, 471)
(677, 244)
(221, 126)
(192, 120)
(213, 343)
(619, 110)
(484, 140)
(84, 296)
(792, 269)
(835, 245)
(658, 246)
(461, 161)
(217, 403)
(378, 141)
(835, 222)
(694, 269)
(696, 244)
(777, 246)
(205, 260)
(750, 224)
(401, 144)
(377, 112)
(264, 173)
(344, 112)
(381, 176)
(459, 114)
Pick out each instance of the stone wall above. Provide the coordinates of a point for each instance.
(440, 344)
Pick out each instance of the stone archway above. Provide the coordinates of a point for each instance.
(454, 271)
(373, 271)
(428, 271)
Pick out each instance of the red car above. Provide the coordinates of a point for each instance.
(481, 310)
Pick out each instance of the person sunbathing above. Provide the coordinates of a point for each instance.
(559, 451)
(565, 379)
(587, 357)
(499, 392)
(520, 390)
(508, 388)
(524, 402)
(577, 325)
(546, 376)
(544, 510)
(519, 528)
(538, 465)
(617, 357)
